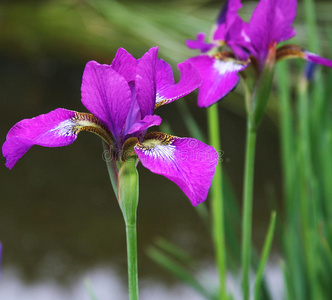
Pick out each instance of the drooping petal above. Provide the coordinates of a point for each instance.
(187, 162)
(125, 64)
(200, 43)
(219, 77)
(57, 128)
(312, 57)
(271, 23)
(147, 122)
(106, 94)
(167, 91)
(295, 51)
(145, 82)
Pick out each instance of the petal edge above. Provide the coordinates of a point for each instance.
(187, 162)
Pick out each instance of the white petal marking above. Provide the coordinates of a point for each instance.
(159, 98)
(165, 152)
(224, 67)
(65, 128)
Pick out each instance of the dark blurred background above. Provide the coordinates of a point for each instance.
(59, 219)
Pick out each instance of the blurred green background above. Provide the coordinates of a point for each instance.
(59, 218)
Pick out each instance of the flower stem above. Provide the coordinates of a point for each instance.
(132, 261)
(247, 208)
(128, 200)
(218, 203)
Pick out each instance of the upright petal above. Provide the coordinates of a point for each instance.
(219, 77)
(106, 94)
(125, 64)
(57, 128)
(187, 162)
(145, 82)
(238, 39)
(167, 91)
(229, 11)
(164, 74)
(288, 8)
(226, 19)
(271, 23)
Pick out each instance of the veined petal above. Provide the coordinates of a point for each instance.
(145, 82)
(106, 94)
(271, 23)
(125, 64)
(168, 91)
(57, 128)
(187, 162)
(200, 43)
(147, 122)
(219, 77)
(295, 51)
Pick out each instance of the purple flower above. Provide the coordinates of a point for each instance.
(121, 98)
(270, 24)
(219, 69)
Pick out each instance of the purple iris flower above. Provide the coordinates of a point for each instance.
(219, 69)
(270, 24)
(121, 98)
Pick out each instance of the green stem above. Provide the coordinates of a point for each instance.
(132, 261)
(218, 203)
(111, 167)
(128, 200)
(247, 208)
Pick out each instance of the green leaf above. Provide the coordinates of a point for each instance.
(177, 270)
(264, 257)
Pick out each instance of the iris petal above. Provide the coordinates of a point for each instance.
(312, 57)
(228, 15)
(164, 74)
(57, 128)
(147, 122)
(125, 64)
(106, 94)
(167, 91)
(145, 82)
(295, 51)
(199, 43)
(219, 77)
(271, 23)
(187, 162)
